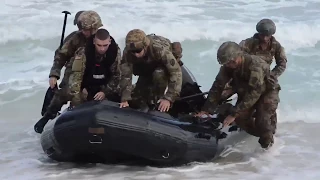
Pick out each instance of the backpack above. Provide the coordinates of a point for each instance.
(174, 47)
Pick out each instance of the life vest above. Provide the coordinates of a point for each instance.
(98, 72)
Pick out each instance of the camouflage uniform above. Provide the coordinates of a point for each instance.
(61, 56)
(158, 69)
(255, 92)
(78, 70)
(87, 20)
(275, 50)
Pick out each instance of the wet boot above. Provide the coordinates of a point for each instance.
(51, 113)
(266, 141)
(38, 127)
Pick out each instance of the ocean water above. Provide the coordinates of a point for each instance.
(30, 32)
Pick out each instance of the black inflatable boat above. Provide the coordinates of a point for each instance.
(103, 132)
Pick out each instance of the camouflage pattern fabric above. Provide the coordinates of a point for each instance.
(89, 20)
(64, 56)
(276, 51)
(254, 94)
(77, 73)
(149, 89)
(157, 56)
(76, 76)
(174, 47)
(61, 97)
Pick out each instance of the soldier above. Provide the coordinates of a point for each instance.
(75, 22)
(64, 57)
(265, 44)
(96, 70)
(67, 72)
(255, 91)
(151, 58)
(89, 22)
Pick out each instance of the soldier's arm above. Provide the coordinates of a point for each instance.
(62, 56)
(281, 61)
(215, 91)
(175, 76)
(126, 77)
(244, 45)
(65, 40)
(113, 85)
(256, 87)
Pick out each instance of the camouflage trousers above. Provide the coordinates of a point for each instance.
(149, 89)
(261, 120)
(228, 92)
(61, 97)
(67, 73)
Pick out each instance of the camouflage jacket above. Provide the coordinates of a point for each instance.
(249, 82)
(65, 40)
(275, 50)
(78, 71)
(158, 55)
(68, 64)
(64, 56)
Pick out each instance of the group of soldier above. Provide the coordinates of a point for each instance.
(96, 70)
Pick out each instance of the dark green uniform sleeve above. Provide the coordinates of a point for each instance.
(113, 85)
(256, 88)
(175, 76)
(126, 77)
(281, 61)
(216, 90)
(63, 55)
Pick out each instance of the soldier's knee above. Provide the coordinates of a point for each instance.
(159, 75)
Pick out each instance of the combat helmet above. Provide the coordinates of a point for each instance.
(136, 39)
(266, 27)
(228, 51)
(89, 20)
(76, 17)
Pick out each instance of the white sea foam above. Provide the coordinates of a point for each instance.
(30, 32)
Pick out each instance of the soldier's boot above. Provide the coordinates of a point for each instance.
(38, 127)
(266, 141)
(51, 113)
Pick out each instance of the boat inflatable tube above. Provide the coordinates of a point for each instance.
(100, 131)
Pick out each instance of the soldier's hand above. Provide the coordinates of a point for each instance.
(228, 120)
(99, 96)
(164, 105)
(84, 91)
(52, 82)
(201, 113)
(124, 104)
